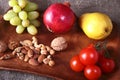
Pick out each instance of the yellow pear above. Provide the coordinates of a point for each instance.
(96, 25)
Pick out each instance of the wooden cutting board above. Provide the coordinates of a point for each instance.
(61, 71)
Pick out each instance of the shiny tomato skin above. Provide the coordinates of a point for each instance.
(101, 54)
(107, 65)
(89, 55)
(75, 64)
(92, 72)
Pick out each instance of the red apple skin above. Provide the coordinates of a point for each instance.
(59, 18)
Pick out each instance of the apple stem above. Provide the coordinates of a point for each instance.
(67, 3)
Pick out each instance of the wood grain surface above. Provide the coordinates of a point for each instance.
(76, 40)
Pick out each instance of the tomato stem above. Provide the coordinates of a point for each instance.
(102, 46)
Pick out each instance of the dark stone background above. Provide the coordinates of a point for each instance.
(110, 7)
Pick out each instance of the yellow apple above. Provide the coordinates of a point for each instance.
(96, 25)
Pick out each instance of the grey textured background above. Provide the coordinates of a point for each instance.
(110, 7)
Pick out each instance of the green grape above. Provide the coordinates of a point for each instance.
(10, 14)
(20, 29)
(6, 17)
(22, 3)
(11, 11)
(36, 23)
(33, 15)
(25, 23)
(16, 8)
(15, 21)
(23, 15)
(32, 30)
(12, 3)
(31, 6)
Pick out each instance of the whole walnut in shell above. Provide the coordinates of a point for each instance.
(59, 44)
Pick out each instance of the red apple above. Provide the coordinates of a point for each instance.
(59, 18)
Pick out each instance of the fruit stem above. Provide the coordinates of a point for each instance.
(102, 46)
(66, 3)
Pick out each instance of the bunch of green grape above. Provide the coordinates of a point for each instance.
(23, 14)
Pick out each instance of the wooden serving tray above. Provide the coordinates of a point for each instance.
(61, 71)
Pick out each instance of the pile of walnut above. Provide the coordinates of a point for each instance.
(31, 52)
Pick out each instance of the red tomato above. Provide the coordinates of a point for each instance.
(92, 72)
(101, 54)
(75, 64)
(107, 65)
(89, 55)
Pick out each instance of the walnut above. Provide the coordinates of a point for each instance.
(59, 44)
(13, 44)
